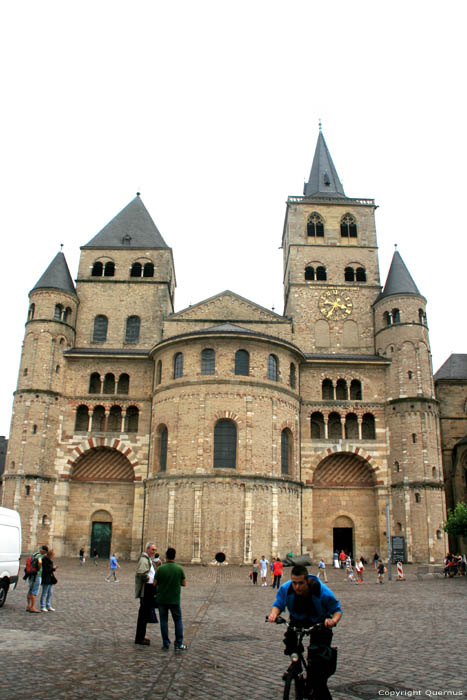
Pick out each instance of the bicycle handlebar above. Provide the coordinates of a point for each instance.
(306, 630)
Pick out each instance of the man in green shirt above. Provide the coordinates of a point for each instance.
(169, 578)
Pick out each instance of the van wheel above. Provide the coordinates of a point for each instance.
(3, 592)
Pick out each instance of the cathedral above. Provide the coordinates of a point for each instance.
(225, 429)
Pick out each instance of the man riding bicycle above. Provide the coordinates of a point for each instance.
(309, 601)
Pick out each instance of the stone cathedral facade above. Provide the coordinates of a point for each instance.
(226, 428)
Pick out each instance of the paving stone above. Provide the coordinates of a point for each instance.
(403, 635)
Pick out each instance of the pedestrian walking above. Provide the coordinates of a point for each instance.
(342, 558)
(335, 559)
(48, 581)
(81, 556)
(322, 570)
(381, 569)
(375, 559)
(95, 556)
(254, 572)
(169, 578)
(277, 572)
(145, 591)
(114, 565)
(263, 570)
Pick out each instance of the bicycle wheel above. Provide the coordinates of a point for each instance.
(296, 683)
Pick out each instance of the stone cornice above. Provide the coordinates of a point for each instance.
(436, 485)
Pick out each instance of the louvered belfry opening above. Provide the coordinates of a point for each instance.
(102, 464)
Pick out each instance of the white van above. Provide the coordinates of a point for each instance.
(10, 551)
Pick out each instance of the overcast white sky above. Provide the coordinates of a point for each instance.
(210, 109)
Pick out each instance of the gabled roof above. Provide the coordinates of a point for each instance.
(454, 368)
(399, 279)
(229, 307)
(324, 180)
(57, 276)
(131, 228)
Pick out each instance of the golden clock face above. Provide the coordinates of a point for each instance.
(335, 304)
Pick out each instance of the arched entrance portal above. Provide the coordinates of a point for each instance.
(101, 534)
(342, 535)
(100, 512)
(344, 506)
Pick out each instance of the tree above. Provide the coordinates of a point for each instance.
(456, 524)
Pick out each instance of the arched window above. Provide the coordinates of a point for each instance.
(410, 374)
(67, 314)
(97, 269)
(368, 427)
(286, 451)
(133, 324)
(163, 444)
(349, 274)
(159, 372)
(315, 225)
(34, 429)
(123, 386)
(208, 361)
(396, 316)
(272, 368)
(418, 498)
(115, 419)
(434, 473)
(321, 273)
(98, 419)
(58, 312)
(348, 226)
(31, 311)
(317, 426)
(341, 390)
(309, 273)
(355, 390)
(351, 427)
(136, 270)
(422, 316)
(242, 363)
(95, 383)
(397, 466)
(131, 419)
(148, 270)
(109, 269)
(387, 318)
(293, 376)
(327, 390)
(334, 427)
(225, 444)
(361, 274)
(109, 383)
(414, 437)
(99, 334)
(178, 365)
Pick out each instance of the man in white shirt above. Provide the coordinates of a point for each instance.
(263, 570)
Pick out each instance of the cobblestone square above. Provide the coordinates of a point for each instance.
(400, 637)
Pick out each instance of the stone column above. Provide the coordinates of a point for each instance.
(248, 526)
(198, 495)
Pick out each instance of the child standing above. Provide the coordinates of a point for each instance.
(114, 565)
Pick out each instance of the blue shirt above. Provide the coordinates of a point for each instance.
(113, 562)
(326, 603)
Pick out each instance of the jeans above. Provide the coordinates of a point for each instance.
(164, 621)
(46, 595)
(277, 581)
(113, 574)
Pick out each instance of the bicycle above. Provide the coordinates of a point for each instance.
(298, 673)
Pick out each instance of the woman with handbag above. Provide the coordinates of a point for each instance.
(48, 581)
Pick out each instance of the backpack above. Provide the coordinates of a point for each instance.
(32, 566)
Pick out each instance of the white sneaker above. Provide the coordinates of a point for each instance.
(44, 610)
(51, 609)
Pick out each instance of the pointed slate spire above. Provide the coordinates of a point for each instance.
(57, 276)
(399, 279)
(131, 228)
(324, 180)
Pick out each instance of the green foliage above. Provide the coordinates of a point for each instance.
(456, 524)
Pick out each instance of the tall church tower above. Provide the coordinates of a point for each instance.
(412, 416)
(331, 275)
(38, 402)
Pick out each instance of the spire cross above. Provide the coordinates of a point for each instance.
(319, 125)
(61, 247)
